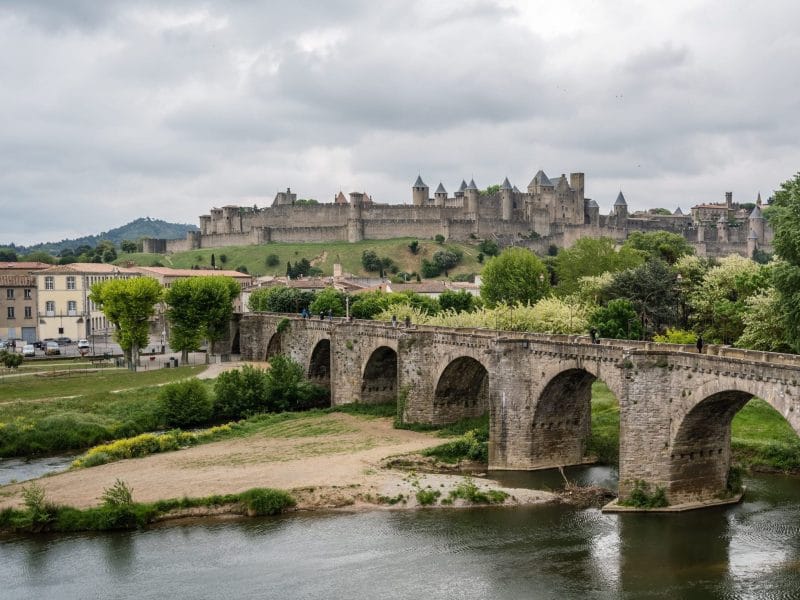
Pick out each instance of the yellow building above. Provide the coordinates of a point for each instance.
(63, 299)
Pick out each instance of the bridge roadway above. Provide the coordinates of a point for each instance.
(676, 405)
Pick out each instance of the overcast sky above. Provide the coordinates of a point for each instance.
(112, 110)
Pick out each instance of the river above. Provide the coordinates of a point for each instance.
(751, 550)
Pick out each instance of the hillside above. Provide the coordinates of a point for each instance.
(321, 255)
(141, 227)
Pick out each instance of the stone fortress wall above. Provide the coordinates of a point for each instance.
(549, 212)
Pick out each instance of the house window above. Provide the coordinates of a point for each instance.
(28, 312)
(10, 312)
(49, 283)
(27, 294)
(70, 282)
(72, 308)
(50, 308)
(10, 294)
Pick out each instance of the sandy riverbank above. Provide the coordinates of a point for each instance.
(334, 461)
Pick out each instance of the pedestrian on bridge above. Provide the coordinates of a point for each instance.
(700, 344)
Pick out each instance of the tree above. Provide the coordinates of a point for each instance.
(186, 403)
(240, 393)
(200, 308)
(589, 256)
(461, 301)
(40, 256)
(329, 299)
(489, 248)
(784, 216)
(213, 261)
(272, 260)
(439, 238)
(652, 289)
(662, 245)
(128, 304)
(447, 259)
(128, 246)
(764, 323)
(289, 389)
(280, 299)
(516, 275)
(617, 320)
(8, 255)
(10, 360)
(414, 246)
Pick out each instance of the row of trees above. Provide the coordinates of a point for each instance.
(198, 308)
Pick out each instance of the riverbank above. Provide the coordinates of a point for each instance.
(325, 461)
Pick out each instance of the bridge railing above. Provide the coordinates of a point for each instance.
(635, 345)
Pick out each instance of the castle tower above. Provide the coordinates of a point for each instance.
(506, 199)
(419, 194)
(729, 204)
(592, 212)
(440, 195)
(355, 223)
(752, 243)
(471, 195)
(620, 210)
(722, 229)
(756, 222)
(577, 181)
(461, 189)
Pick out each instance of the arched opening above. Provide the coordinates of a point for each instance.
(562, 420)
(319, 369)
(235, 345)
(379, 383)
(461, 392)
(700, 456)
(275, 345)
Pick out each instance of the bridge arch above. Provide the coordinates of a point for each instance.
(379, 379)
(319, 367)
(275, 345)
(462, 391)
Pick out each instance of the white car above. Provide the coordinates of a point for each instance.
(83, 344)
(28, 350)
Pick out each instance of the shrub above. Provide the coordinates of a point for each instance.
(427, 497)
(287, 387)
(640, 496)
(468, 491)
(273, 260)
(266, 501)
(119, 494)
(186, 403)
(241, 393)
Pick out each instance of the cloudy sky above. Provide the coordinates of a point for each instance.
(113, 110)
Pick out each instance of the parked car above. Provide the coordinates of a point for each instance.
(52, 349)
(28, 350)
(38, 344)
(84, 344)
(63, 341)
(3, 345)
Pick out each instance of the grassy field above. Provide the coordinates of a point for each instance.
(321, 255)
(45, 415)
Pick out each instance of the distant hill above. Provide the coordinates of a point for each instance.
(141, 227)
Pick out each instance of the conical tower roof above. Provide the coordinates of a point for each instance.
(472, 185)
(678, 212)
(506, 184)
(620, 200)
(756, 214)
(419, 182)
(440, 189)
(463, 186)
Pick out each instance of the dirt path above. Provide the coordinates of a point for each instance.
(334, 460)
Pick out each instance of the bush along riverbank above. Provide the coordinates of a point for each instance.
(118, 510)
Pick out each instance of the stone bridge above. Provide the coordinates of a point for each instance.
(676, 405)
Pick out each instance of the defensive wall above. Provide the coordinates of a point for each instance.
(676, 405)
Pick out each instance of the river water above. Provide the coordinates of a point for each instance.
(751, 550)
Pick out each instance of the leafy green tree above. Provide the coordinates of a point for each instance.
(784, 217)
(490, 190)
(414, 246)
(128, 246)
(461, 301)
(662, 245)
(765, 323)
(280, 299)
(719, 303)
(420, 302)
(272, 260)
(8, 255)
(439, 238)
(371, 261)
(41, 256)
(368, 304)
(515, 276)
(653, 290)
(128, 304)
(489, 248)
(590, 256)
(200, 308)
(447, 259)
(329, 299)
(676, 336)
(617, 320)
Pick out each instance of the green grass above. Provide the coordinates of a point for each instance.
(60, 414)
(321, 255)
(604, 439)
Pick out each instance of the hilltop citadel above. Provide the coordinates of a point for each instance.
(549, 212)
